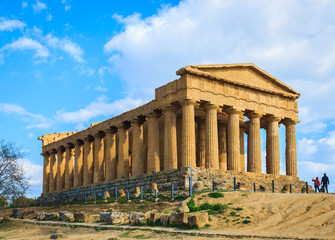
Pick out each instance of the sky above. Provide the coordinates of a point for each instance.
(65, 64)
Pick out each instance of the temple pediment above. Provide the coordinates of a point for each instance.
(245, 75)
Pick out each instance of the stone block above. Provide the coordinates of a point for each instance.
(198, 186)
(107, 194)
(137, 218)
(81, 217)
(182, 207)
(16, 212)
(198, 220)
(155, 216)
(51, 216)
(121, 192)
(94, 218)
(66, 216)
(137, 191)
(113, 217)
(262, 188)
(178, 218)
(154, 187)
(28, 214)
(286, 188)
(164, 218)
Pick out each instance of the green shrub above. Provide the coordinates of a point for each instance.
(216, 195)
(233, 214)
(246, 221)
(238, 209)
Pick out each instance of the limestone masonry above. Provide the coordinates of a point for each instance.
(197, 120)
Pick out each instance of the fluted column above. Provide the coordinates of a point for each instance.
(188, 134)
(222, 146)
(60, 168)
(153, 162)
(234, 139)
(242, 158)
(291, 148)
(69, 150)
(254, 163)
(170, 138)
(46, 172)
(137, 147)
(78, 163)
(201, 143)
(98, 158)
(272, 146)
(88, 160)
(211, 137)
(53, 171)
(123, 153)
(110, 154)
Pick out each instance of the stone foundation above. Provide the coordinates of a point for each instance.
(180, 179)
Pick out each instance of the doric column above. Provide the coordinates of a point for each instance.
(53, 171)
(98, 158)
(110, 154)
(123, 153)
(69, 150)
(188, 134)
(78, 163)
(137, 148)
(46, 172)
(234, 139)
(222, 145)
(170, 138)
(254, 163)
(60, 168)
(272, 146)
(242, 159)
(88, 160)
(153, 162)
(291, 148)
(201, 143)
(211, 137)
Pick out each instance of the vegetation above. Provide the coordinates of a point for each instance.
(212, 208)
(246, 221)
(216, 195)
(13, 182)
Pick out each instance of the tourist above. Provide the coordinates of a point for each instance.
(316, 184)
(325, 182)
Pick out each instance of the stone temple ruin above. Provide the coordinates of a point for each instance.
(197, 120)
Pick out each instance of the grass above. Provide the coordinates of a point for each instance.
(233, 214)
(126, 234)
(211, 208)
(216, 195)
(141, 237)
(238, 209)
(246, 221)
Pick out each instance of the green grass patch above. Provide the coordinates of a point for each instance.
(246, 221)
(211, 208)
(233, 213)
(216, 195)
(126, 234)
(238, 209)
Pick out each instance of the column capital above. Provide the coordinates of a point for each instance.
(45, 154)
(79, 142)
(208, 106)
(154, 115)
(111, 130)
(138, 121)
(69, 145)
(88, 138)
(187, 102)
(124, 125)
(254, 115)
(170, 108)
(289, 122)
(231, 110)
(53, 151)
(61, 149)
(272, 119)
(99, 134)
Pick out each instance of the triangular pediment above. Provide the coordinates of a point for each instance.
(247, 75)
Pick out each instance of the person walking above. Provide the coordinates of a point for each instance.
(316, 184)
(325, 182)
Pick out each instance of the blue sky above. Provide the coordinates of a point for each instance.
(65, 64)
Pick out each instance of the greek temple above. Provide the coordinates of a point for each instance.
(199, 120)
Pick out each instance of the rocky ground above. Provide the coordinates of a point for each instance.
(269, 215)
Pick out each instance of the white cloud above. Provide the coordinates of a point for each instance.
(24, 5)
(65, 44)
(30, 135)
(32, 171)
(39, 6)
(292, 40)
(103, 70)
(49, 17)
(25, 43)
(10, 25)
(100, 89)
(99, 107)
(35, 120)
(307, 146)
(67, 5)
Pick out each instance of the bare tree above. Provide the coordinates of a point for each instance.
(13, 182)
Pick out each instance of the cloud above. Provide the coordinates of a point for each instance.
(100, 89)
(35, 120)
(99, 107)
(39, 6)
(24, 5)
(49, 17)
(291, 39)
(66, 45)
(67, 5)
(10, 25)
(25, 43)
(32, 171)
